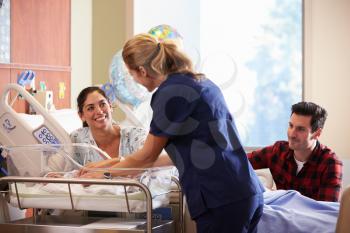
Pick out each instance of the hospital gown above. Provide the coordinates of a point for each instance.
(131, 139)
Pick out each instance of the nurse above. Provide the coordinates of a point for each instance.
(193, 124)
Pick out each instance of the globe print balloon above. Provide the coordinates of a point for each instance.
(166, 32)
(122, 86)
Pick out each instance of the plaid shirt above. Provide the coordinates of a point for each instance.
(320, 178)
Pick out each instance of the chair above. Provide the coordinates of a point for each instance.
(343, 225)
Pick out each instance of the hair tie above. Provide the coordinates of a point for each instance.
(154, 54)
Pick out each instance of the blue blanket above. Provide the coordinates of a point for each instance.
(291, 212)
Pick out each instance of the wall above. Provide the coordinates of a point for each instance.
(112, 25)
(327, 67)
(109, 35)
(40, 41)
(81, 43)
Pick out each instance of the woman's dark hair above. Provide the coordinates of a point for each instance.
(317, 113)
(83, 95)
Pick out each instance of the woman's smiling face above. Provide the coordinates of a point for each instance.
(96, 111)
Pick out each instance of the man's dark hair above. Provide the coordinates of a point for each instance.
(317, 113)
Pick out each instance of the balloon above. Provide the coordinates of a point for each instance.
(122, 86)
(27, 77)
(125, 89)
(165, 32)
(109, 91)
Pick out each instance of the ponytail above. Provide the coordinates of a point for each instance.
(158, 58)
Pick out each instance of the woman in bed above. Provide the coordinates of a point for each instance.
(99, 129)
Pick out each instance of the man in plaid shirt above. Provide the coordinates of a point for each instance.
(302, 163)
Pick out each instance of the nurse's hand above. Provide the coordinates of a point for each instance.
(54, 175)
(93, 175)
(100, 164)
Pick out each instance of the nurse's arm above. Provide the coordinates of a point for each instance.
(163, 160)
(144, 157)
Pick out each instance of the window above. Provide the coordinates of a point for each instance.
(252, 49)
(4, 31)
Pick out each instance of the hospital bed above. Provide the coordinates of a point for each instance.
(18, 128)
(53, 129)
(145, 191)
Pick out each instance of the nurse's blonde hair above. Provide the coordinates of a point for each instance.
(157, 58)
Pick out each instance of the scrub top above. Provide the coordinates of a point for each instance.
(203, 143)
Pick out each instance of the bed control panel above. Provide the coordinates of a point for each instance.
(45, 136)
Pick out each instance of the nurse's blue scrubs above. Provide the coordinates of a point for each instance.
(222, 190)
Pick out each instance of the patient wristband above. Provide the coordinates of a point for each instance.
(107, 175)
